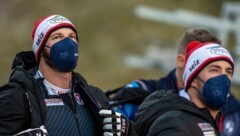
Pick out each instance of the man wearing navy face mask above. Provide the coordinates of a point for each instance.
(196, 110)
(45, 97)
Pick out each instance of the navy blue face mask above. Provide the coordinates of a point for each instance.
(64, 54)
(215, 91)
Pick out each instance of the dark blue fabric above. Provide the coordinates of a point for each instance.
(215, 91)
(231, 117)
(73, 115)
(167, 83)
(61, 121)
(64, 54)
(86, 121)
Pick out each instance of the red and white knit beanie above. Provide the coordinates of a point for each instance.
(43, 29)
(199, 55)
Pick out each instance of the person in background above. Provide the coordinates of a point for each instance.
(128, 98)
(44, 96)
(196, 110)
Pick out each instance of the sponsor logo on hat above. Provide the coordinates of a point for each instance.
(193, 66)
(40, 37)
(57, 19)
(218, 50)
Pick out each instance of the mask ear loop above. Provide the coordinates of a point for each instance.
(48, 46)
(200, 79)
(197, 90)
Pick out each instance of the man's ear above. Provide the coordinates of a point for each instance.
(180, 60)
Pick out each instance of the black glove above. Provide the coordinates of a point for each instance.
(114, 123)
(41, 131)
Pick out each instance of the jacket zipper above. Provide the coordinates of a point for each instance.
(75, 113)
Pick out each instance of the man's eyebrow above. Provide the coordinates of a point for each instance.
(230, 68)
(73, 33)
(216, 66)
(55, 34)
(213, 66)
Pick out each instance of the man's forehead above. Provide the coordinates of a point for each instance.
(63, 31)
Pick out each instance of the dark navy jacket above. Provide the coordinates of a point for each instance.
(231, 117)
(128, 98)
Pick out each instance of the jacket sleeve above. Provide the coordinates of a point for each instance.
(169, 126)
(131, 130)
(14, 110)
(100, 96)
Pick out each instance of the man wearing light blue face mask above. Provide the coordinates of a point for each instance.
(48, 97)
(196, 112)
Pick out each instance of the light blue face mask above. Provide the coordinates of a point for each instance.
(215, 91)
(64, 54)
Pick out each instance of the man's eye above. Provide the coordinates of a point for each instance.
(73, 37)
(229, 72)
(213, 70)
(56, 37)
